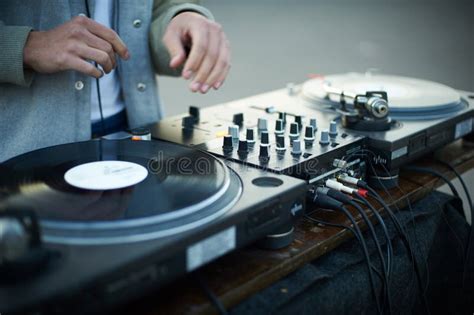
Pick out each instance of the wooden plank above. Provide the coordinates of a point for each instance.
(241, 274)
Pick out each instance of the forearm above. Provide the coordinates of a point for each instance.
(12, 43)
(163, 12)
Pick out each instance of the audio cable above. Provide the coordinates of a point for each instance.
(335, 190)
(398, 226)
(97, 85)
(327, 202)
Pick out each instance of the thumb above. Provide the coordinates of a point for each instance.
(175, 48)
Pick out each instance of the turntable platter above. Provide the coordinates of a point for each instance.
(409, 98)
(181, 187)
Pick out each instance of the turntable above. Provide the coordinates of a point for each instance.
(124, 216)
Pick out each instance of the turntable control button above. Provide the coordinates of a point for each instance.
(188, 122)
(262, 124)
(324, 137)
(309, 135)
(313, 123)
(279, 128)
(234, 131)
(333, 129)
(238, 119)
(294, 132)
(194, 112)
(264, 154)
(264, 139)
(290, 88)
(228, 143)
(243, 147)
(296, 149)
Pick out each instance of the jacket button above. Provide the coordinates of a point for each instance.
(79, 85)
(141, 87)
(137, 23)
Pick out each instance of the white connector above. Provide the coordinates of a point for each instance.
(331, 183)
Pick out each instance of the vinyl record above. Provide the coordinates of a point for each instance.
(409, 98)
(100, 191)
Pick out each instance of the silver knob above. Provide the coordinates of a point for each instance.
(333, 129)
(296, 149)
(324, 137)
(262, 124)
(233, 131)
(313, 123)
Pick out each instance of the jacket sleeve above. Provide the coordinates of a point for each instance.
(12, 42)
(163, 12)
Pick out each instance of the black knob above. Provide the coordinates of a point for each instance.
(243, 147)
(264, 137)
(282, 116)
(309, 132)
(263, 152)
(279, 126)
(228, 145)
(238, 119)
(280, 141)
(294, 129)
(250, 135)
(299, 121)
(194, 112)
(188, 122)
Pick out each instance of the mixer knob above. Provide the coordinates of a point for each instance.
(333, 129)
(264, 154)
(324, 137)
(280, 144)
(262, 124)
(279, 129)
(238, 119)
(188, 122)
(296, 149)
(313, 123)
(243, 147)
(299, 121)
(294, 133)
(250, 136)
(234, 131)
(282, 116)
(194, 112)
(228, 145)
(309, 136)
(264, 139)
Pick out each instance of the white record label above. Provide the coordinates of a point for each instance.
(105, 175)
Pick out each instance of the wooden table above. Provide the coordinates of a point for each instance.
(242, 273)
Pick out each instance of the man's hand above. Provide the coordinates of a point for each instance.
(209, 58)
(71, 45)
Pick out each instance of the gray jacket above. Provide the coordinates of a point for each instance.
(39, 110)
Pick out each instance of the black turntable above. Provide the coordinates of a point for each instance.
(119, 217)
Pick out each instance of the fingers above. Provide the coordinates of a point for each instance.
(198, 51)
(207, 64)
(106, 34)
(174, 45)
(96, 42)
(96, 55)
(221, 68)
(85, 67)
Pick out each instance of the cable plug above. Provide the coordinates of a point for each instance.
(324, 201)
(351, 180)
(342, 197)
(331, 183)
(363, 192)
